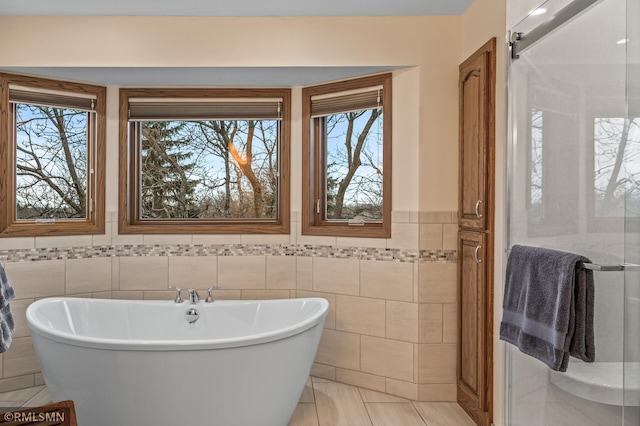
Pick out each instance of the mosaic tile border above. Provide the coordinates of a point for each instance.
(361, 253)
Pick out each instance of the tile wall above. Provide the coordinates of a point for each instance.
(392, 320)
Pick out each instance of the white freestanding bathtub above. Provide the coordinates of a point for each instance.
(135, 363)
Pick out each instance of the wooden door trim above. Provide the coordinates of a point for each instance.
(482, 415)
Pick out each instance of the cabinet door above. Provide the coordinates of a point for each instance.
(475, 331)
(476, 139)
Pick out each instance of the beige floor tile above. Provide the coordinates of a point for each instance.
(556, 414)
(443, 414)
(41, 398)
(20, 395)
(6, 407)
(340, 405)
(307, 393)
(373, 396)
(394, 414)
(305, 415)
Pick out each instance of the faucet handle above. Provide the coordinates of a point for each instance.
(209, 298)
(194, 297)
(178, 293)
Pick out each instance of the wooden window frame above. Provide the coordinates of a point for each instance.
(94, 223)
(128, 217)
(314, 169)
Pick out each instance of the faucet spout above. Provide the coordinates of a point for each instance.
(193, 296)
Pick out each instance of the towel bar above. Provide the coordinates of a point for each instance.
(602, 268)
(610, 268)
(605, 268)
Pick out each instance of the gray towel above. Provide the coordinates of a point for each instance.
(7, 325)
(548, 306)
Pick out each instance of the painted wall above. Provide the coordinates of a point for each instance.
(393, 301)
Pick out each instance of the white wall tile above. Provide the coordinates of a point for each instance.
(193, 271)
(242, 272)
(450, 237)
(144, 273)
(172, 239)
(115, 273)
(386, 280)
(37, 279)
(361, 242)
(103, 239)
(70, 241)
(18, 309)
(20, 358)
(360, 315)
(88, 275)
(404, 236)
(281, 272)
(213, 239)
(431, 236)
(265, 239)
(340, 276)
(17, 243)
(400, 216)
(438, 282)
(304, 273)
(435, 217)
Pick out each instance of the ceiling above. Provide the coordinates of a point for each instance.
(219, 76)
(235, 7)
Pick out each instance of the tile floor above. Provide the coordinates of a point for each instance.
(323, 403)
(327, 403)
(28, 397)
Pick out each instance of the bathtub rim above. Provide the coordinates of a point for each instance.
(43, 331)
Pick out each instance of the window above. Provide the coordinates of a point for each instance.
(53, 157)
(347, 158)
(204, 161)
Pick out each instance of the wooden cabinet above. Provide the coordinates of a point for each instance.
(475, 332)
(476, 130)
(475, 238)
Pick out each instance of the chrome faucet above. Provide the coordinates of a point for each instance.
(178, 294)
(193, 296)
(209, 298)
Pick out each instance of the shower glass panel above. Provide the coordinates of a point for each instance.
(632, 227)
(574, 157)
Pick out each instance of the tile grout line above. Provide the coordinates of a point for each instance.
(315, 401)
(34, 397)
(413, 404)
(366, 408)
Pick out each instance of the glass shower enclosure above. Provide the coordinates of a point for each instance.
(574, 185)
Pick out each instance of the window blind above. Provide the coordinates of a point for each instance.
(198, 109)
(347, 101)
(50, 98)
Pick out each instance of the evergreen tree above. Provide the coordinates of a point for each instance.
(166, 189)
